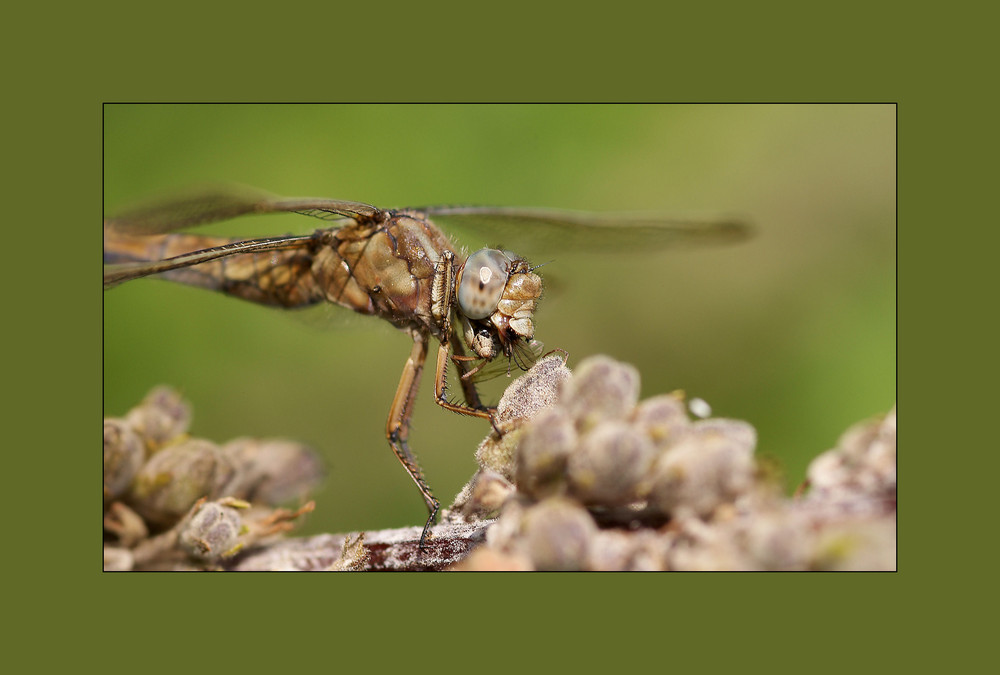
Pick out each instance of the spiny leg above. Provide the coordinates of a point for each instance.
(472, 407)
(469, 391)
(397, 429)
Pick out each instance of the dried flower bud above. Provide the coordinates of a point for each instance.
(123, 456)
(162, 416)
(711, 465)
(272, 471)
(601, 388)
(857, 545)
(489, 492)
(542, 451)
(882, 452)
(827, 472)
(863, 463)
(213, 531)
(480, 498)
(635, 551)
(557, 534)
(535, 390)
(176, 477)
(662, 418)
(497, 453)
(611, 466)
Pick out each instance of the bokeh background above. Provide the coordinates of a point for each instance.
(793, 330)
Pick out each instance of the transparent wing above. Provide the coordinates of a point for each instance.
(525, 353)
(211, 204)
(541, 232)
(117, 273)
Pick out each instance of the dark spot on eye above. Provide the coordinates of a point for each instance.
(376, 289)
(481, 285)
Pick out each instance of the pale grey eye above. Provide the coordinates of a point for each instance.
(482, 282)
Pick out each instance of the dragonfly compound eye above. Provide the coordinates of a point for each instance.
(482, 281)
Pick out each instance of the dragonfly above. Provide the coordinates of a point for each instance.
(394, 264)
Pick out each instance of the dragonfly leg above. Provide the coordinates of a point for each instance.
(397, 429)
(472, 407)
(469, 391)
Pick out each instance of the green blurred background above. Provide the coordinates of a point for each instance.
(794, 331)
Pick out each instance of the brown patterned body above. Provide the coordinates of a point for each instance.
(383, 269)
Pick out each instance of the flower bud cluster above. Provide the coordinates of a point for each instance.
(594, 442)
(189, 492)
(595, 479)
(161, 417)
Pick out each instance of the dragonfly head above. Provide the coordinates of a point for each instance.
(497, 293)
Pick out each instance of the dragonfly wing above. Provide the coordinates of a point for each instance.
(550, 231)
(212, 204)
(525, 354)
(121, 272)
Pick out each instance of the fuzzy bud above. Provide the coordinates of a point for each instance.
(557, 534)
(272, 471)
(123, 456)
(600, 389)
(542, 452)
(611, 466)
(176, 477)
(162, 416)
(710, 466)
(662, 418)
(213, 531)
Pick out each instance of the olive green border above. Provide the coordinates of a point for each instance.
(497, 53)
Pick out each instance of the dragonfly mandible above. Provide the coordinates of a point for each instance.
(396, 264)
